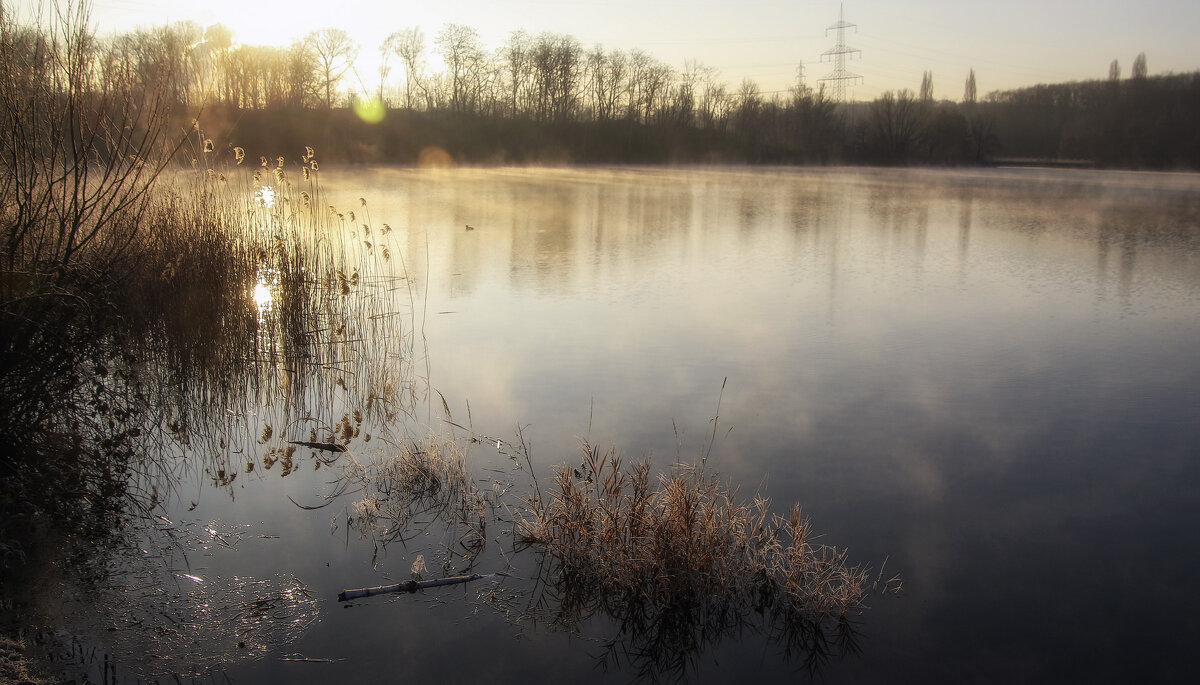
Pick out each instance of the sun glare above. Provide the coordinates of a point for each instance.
(264, 285)
(265, 196)
(262, 296)
(260, 23)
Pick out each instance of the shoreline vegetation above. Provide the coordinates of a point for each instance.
(146, 310)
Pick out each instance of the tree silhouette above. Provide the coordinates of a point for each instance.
(409, 45)
(460, 50)
(335, 53)
(516, 61)
(1139, 66)
(894, 123)
(547, 97)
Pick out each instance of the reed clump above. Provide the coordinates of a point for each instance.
(680, 560)
(422, 482)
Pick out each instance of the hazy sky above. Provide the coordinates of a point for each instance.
(1009, 43)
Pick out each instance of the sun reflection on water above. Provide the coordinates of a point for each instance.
(262, 296)
(266, 281)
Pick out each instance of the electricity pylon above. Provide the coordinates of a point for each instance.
(839, 76)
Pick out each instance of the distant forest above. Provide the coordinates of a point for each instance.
(548, 99)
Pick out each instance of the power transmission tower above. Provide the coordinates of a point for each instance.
(839, 76)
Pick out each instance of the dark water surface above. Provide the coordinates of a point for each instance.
(986, 378)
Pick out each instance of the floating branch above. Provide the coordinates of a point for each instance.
(410, 586)
(327, 446)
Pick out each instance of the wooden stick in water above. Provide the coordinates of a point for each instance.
(327, 446)
(410, 586)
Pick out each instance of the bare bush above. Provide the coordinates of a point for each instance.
(80, 149)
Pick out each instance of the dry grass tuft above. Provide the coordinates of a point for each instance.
(424, 482)
(682, 561)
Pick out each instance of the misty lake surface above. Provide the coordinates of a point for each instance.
(986, 378)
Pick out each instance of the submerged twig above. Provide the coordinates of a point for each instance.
(410, 586)
(327, 446)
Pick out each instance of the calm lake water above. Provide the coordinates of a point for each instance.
(987, 379)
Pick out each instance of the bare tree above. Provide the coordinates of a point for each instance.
(80, 148)
(335, 53)
(927, 87)
(516, 63)
(656, 87)
(557, 71)
(682, 106)
(1114, 71)
(608, 72)
(714, 102)
(749, 102)
(638, 64)
(275, 77)
(301, 76)
(171, 47)
(145, 54)
(894, 122)
(385, 54)
(969, 93)
(942, 134)
(981, 134)
(409, 45)
(460, 50)
(813, 125)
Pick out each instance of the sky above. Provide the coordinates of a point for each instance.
(1009, 44)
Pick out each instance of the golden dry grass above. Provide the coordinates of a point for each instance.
(688, 536)
(681, 561)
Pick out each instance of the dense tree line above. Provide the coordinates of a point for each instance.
(1141, 122)
(548, 98)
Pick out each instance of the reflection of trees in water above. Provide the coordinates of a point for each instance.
(965, 212)
(1167, 226)
(1124, 214)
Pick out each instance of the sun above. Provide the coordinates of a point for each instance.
(259, 23)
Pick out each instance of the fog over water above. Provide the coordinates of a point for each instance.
(984, 378)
